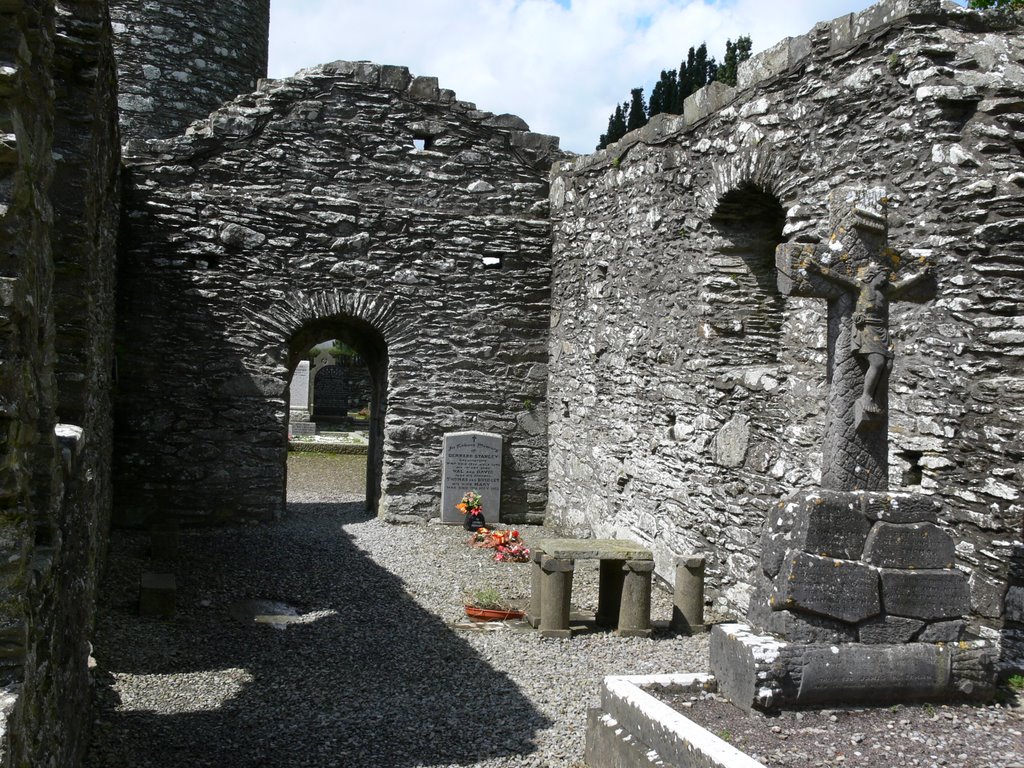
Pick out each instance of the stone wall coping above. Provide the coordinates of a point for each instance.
(834, 38)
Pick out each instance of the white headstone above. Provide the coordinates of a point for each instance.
(471, 461)
(299, 397)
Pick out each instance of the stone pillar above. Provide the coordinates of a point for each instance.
(635, 608)
(688, 597)
(609, 594)
(556, 591)
(536, 589)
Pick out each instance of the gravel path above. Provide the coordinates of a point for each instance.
(374, 672)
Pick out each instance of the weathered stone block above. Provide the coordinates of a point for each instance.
(838, 589)
(747, 666)
(424, 89)
(773, 61)
(157, 593)
(841, 33)
(1013, 605)
(777, 536)
(893, 630)
(867, 673)
(909, 546)
(830, 524)
(707, 101)
(395, 78)
(901, 507)
(925, 594)
(943, 632)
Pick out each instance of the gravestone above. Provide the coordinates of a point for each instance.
(857, 584)
(471, 461)
(299, 389)
(331, 394)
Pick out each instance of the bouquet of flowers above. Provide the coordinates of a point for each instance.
(472, 506)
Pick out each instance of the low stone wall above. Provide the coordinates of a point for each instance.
(686, 394)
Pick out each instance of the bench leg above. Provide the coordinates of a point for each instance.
(556, 578)
(536, 590)
(609, 593)
(635, 609)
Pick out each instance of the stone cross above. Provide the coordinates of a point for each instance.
(858, 274)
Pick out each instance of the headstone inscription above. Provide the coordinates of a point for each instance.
(299, 390)
(471, 461)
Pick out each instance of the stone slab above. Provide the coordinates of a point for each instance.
(298, 390)
(909, 546)
(871, 673)
(837, 589)
(594, 549)
(943, 632)
(925, 594)
(470, 461)
(303, 428)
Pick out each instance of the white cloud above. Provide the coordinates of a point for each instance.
(562, 69)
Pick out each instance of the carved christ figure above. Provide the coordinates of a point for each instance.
(870, 339)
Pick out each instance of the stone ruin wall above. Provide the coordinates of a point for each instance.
(177, 62)
(58, 219)
(305, 210)
(686, 396)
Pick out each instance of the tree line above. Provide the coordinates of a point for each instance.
(674, 86)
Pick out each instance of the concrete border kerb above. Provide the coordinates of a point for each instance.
(635, 725)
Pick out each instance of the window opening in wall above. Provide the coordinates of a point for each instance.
(422, 142)
(913, 472)
(492, 262)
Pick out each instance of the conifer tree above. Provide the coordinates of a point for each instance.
(637, 110)
(1010, 4)
(663, 95)
(735, 54)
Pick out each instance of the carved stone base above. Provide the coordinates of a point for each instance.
(762, 672)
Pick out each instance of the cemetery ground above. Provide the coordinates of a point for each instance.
(359, 655)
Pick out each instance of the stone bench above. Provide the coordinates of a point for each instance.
(624, 587)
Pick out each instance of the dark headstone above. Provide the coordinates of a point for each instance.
(909, 546)
(925, 594)
(157, 593)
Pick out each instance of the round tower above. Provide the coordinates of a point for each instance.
(178, 60)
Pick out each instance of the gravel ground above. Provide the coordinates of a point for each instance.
(378, 666)
(927, 736)
(374, 671)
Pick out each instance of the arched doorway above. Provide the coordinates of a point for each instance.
(371, 356)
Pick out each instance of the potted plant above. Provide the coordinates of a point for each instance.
(486, 604)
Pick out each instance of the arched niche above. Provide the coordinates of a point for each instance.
(748, 224)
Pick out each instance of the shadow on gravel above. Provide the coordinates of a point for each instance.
(374, 681)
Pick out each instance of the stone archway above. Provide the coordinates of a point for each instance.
(371, 346)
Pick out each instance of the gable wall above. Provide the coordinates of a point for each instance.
(307, 201)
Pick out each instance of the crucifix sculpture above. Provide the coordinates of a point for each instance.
(859, 275)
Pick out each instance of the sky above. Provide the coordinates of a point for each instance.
(561, 65)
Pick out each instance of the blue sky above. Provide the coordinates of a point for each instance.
(561, 65)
